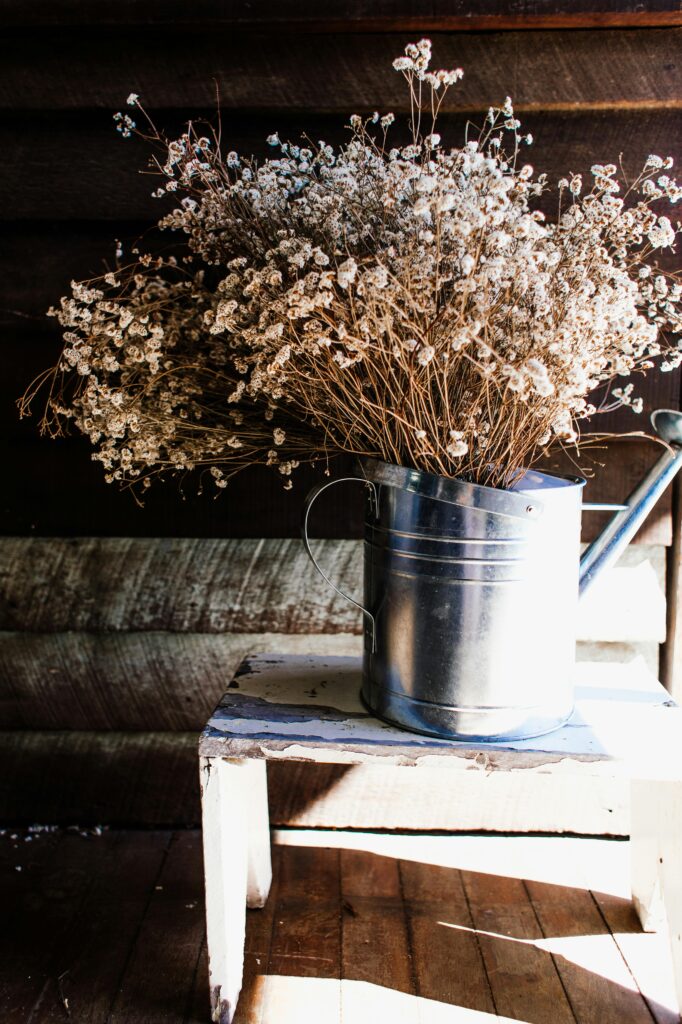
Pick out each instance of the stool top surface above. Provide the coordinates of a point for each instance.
(308, 708)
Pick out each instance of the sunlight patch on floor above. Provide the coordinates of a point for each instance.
(602, 865)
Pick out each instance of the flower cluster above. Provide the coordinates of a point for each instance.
(405, 302)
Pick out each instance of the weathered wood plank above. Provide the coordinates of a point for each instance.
(341, 15)
(169, 681)
(377, 959)
(285, 71)
(372, 797)
(237, 586)
(93, 172)
(159, 976)
(174, 584)
(442, 935)
(308, 708)
(93, 954)
(137, 681)
(306, 937)
(34, 930)
(592, 970)
(523, 978)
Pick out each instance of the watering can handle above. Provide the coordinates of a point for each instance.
(308, 504)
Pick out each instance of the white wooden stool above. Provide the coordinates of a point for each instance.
(307, 708)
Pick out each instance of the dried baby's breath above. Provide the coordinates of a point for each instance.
(404, 302)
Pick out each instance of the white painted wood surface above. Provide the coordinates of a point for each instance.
(308, 708)
(236, 866)
(656, 844)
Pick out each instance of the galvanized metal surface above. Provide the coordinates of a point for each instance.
(620, 530)
(470, 594)
(474, 611)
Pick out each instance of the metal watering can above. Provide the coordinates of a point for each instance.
(471, 592)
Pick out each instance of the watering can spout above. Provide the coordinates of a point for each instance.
(606, 548)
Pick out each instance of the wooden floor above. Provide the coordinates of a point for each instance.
(109, 929)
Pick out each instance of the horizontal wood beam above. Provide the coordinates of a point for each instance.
(184, 585)
(151, 779)
(172, 681)
(347, 15)
(282, 72)
(132, 681)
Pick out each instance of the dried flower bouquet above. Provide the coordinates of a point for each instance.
(409, 303)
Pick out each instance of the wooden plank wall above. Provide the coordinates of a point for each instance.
(111, 651)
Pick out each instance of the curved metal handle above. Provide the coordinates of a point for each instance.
(310, 500)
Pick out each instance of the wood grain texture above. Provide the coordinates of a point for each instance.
(372, 797)
(159, 974)
(93, 953)
(281, 73)
(137, 681)
(523, 978)
(386, 15)
(93, 172)
(215, 586)
(441, 935)
(571, 925)
(176, 584)
(89, 879)
(172, 681)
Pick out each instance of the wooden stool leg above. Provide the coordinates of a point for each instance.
(259, 869)
(235, 817)
(656, 852)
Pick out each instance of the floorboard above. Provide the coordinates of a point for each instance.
(109, 928)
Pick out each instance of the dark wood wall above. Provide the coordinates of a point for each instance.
(590, 80)
(71, 185)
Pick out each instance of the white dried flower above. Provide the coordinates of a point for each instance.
(366, 296)
(425, 355)
(346, 272)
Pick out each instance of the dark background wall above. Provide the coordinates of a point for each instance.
(590, 80)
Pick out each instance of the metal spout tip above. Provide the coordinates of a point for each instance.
(668, 425)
